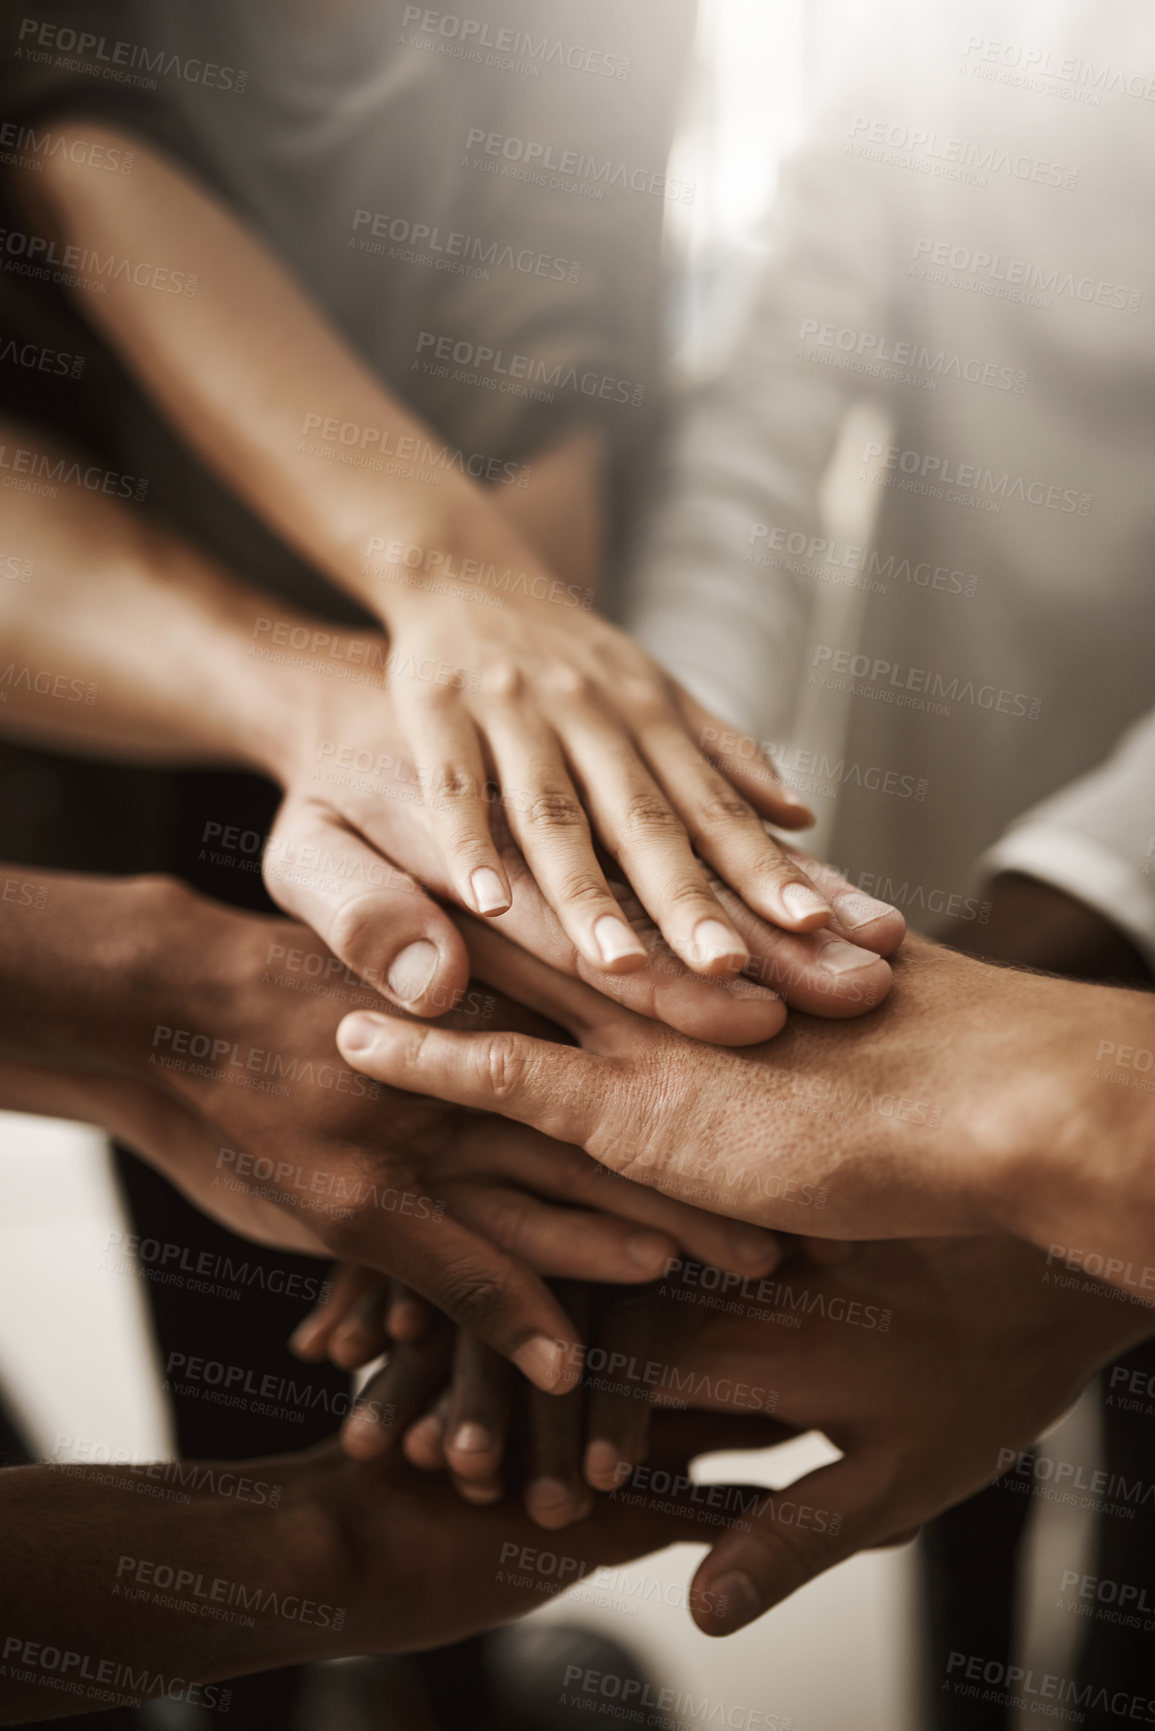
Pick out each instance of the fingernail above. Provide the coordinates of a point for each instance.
(714, 940)
(542, 1360)
(603, 1466)
(300, 1341)
(411, 972)
(804, 903)
(839, 957)
(363, 1435)
(751, 1246)
(736, 1601)
(856, 909)
(358, 1032)
(552, 1504)
(472, 1439)
(616, 940)
(481, 1494)
(405, 1320)
(648, 1250)
(490, 895)
(425, 1434)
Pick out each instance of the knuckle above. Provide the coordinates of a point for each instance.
(584, 891)
(503, 679)
(568, 684)
(353, 928)
(644, 696)
(556, 808)
(689, 892)
(471, 1295)
(649, 813)
(724, 807)
(449, 781)
(503, 1064)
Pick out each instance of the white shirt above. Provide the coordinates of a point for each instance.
(967, 242)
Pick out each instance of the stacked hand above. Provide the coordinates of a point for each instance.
(929, 1365)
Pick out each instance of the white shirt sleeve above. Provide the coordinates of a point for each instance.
(715, 594)
(1095, 839)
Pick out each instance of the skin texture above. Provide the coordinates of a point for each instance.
(587, 738)
(180, 664)
(333, 1558)
(152, 991)
(975, 1098)
(930, 1364)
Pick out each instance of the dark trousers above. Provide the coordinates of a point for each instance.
(970, 1564)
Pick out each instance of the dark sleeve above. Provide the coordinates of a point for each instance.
(67, 61)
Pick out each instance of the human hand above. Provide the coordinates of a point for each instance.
(969, 1102)
(426, 1567)
(358, 833)
(462, 1209)
(931, 1365)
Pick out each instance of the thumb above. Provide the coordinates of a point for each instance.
(374, 917)
(790, 1538)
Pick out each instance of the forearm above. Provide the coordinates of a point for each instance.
(161, 1580)
(126, 643)
(91, 965)
(251, 373)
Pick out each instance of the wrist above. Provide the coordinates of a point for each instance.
(78, 967)
(187, 961)
(1073, 1160)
